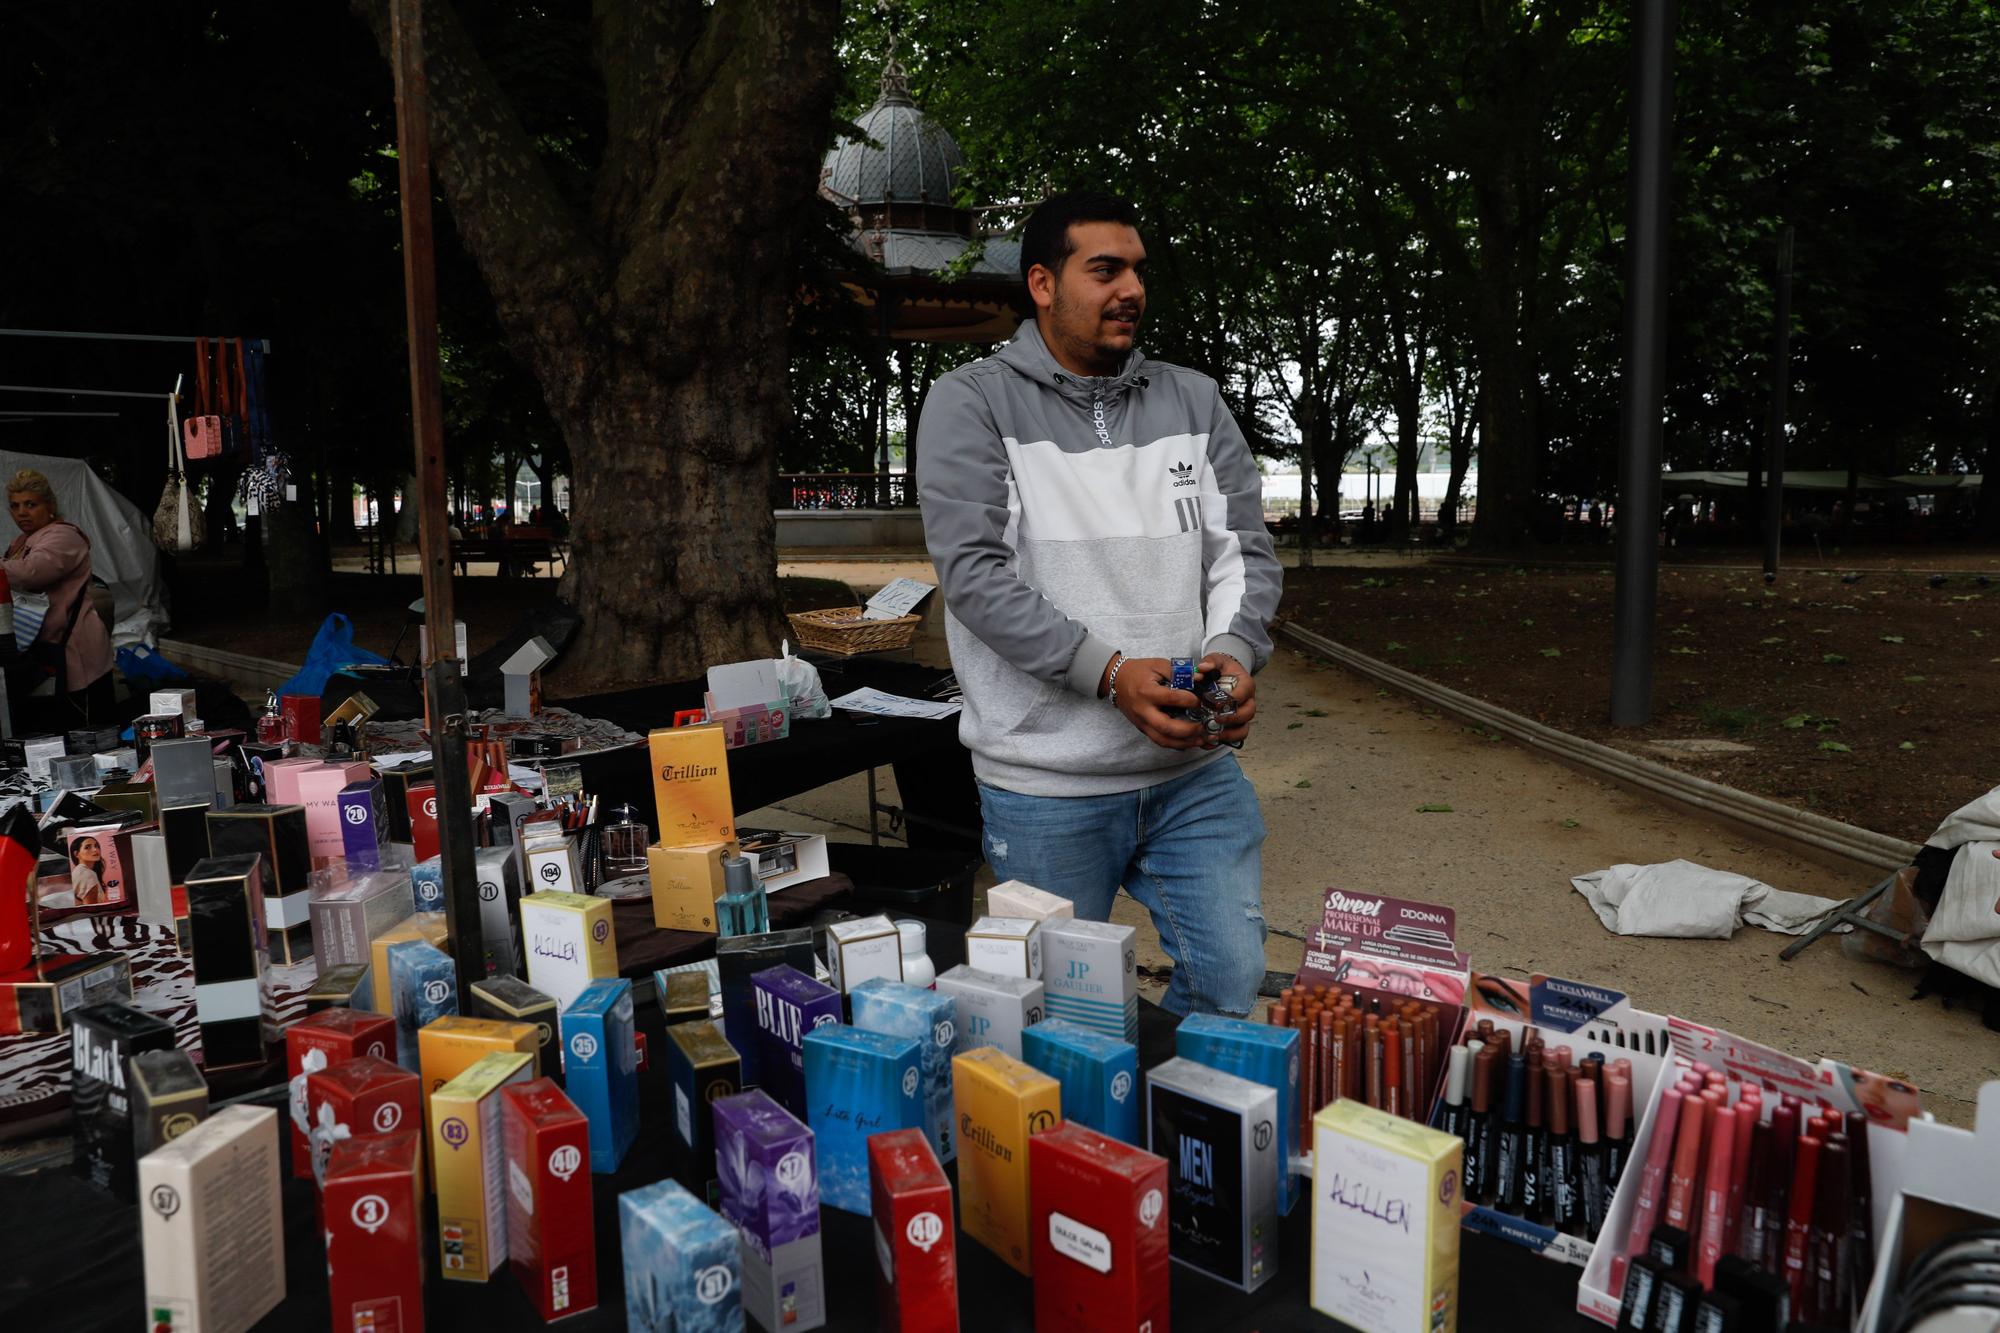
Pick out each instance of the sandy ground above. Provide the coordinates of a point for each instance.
(1520, 827)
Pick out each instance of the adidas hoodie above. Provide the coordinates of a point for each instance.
(1073, 517)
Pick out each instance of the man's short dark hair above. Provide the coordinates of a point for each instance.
(1045, 240)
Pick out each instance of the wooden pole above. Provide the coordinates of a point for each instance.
(444, 690)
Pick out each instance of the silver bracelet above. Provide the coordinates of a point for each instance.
(1111, 685)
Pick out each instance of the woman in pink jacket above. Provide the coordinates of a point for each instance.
(52, 556)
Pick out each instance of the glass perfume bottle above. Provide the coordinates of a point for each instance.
(271, 723)
(742, 909)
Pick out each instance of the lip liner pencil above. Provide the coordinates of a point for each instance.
(1652, 1182)
(1799, 1215)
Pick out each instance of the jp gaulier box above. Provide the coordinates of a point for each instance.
(681, 1263)
(364, 823)
(276, 831)
(1100, 1232)
(916, 1249)
(102, 1041)
(347, 914)
(184, 771)
(1013, 898)
(40, 997)
(232, 992)
(1099, 1075)
(185, 827)
(426, 926)
(686, 882)
(499, 910)
(863, 948)
(601, 1060)
(1090, 976)
(469, 1152)
(372, 1206)
(570, 942)
(738, 959)
(789, 1005)
(360, 1096)
(1001, 1103)
(1219, 1135)
(512, 1000)
(1385, 1221)
(916, 1013)
(169, 1098)
(396, 784)
(770, 1191)
(857, 1084)
(320, 1041)
(691, 786)
(992, 1010)
(551, 1229)
(423, 981)
(1263, 1053)
(1006, 946)
(212, 1225)
(702, 1068)
(341, 987)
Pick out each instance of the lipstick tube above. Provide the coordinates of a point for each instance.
(1748, 1108)
(1328, 1061)
(1562, 1151)
(1756, 1185)
(20, 850)
(1477, 1169)
(1594, 1195)
(1828, 1303)
(1798, 1217)
(1407, 1029)
(1686, 1172)
(1392, 1067)
(1777, 1199)
(1535, 1142)
(1861, 1203)
(1453, 1120)
(1375, 1064)
(1507, 1183)
(1708, 1249)
(1652, 1181)
(1617, 1126)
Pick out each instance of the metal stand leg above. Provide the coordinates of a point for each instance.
(1849, 914)
(874, 826)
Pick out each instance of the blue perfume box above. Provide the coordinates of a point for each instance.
(1099, 1075)
(601, 1068)
(682, 1273)
(1264, 1054)
(899, 1009)
(427, 878)
(423, 987)
(789, 1005)
(858, 1084)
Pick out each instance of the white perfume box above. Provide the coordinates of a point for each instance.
(1007, 946)
(212, 1224)
(1014, 898)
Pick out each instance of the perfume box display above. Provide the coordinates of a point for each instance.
(1001, 1103)
(1219, 1135)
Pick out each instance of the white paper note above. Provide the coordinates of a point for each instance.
(868, 699)
(897, 599)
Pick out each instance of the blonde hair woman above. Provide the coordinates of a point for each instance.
(52, 557)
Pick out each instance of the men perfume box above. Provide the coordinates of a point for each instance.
(601, 1068)
(364, 823)
(361, 1096)
(691, 786)
(789, 1004)
(372, 1210)
(702, 1068)
(169, 1098)
(347, 914)
(423, 982)
(1385, 1221)
(1100, 1232)
(1000, 1103)
(1219, 1135)
(427, 883)
(1090, 976)
(103, 1039)
(232, 995)
(570, 942)
(424, 926)
(992, 1010)
(512, 1000)
(1006, 946)
(686, 882)
(1263, 1053)
(210, 1223)
(468, 1152)
(738, 959)
(681, 1263)
(899, 1009)
(857, 1084)
(551, 1228)
(1099, 1075)
(1015, 899)
(860, 949)
(499, 879)
(770, 1191)
(320, 1041)
(916, 1244)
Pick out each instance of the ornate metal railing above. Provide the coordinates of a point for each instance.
(843, 490)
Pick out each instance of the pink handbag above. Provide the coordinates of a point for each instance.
(202, 432)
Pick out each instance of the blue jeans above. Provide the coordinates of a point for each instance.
(1189, 850)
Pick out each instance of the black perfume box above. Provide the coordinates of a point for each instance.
(103, 1039)
(512, 1000)
(277, 833)
(1218, 1134)
(396, 784)
(169, 1098)
(338, 988)
(232, 998)
(737, 959)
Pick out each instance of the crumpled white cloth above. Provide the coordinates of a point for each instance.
(1964, 933)
(1683, 900)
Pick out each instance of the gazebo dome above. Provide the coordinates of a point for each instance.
(903, 168)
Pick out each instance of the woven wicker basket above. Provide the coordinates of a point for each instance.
(840, 629)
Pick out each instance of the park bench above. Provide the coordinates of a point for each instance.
(514, 555)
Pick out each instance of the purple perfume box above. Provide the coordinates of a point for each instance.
(789, 1005)
(770, 1193)
(364, 823)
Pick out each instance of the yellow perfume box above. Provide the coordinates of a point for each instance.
(470, 1154)
(570, 943)
(691, 786)
(999, 1102)
(686, 883)
(448, 1046)
(1384, 1221)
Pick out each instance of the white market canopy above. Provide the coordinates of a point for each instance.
(1908, 483)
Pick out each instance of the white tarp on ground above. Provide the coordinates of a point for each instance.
(1964, 933)
(121, 542)
(1683, 900)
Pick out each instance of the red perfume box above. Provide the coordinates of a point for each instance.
(1099, 1227)
(321, 1041)
(550, 1239)
(916, 1278)
(366, 1095)
(373, 1205)
(423, 808)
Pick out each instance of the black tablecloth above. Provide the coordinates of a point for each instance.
(73, 1262)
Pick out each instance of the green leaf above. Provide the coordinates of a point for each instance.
(1293, 726)
(1552, 652)
(1315, 712)
(1678, 651)
(1796, 720)
(1306, 783)
(1834, 659)
(1892, 638)
(1773, 639)
(1907, 745)
(1529, 621)
(1836, 747)
(1571, 823)
(1913, 680)
(1436, 808)
(1393, 647)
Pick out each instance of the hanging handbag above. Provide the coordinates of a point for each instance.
(225, 401)
(177, 521)
(203, 432)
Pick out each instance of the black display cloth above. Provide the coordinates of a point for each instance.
(74, 1261)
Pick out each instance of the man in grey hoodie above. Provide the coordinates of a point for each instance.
(1092, 514)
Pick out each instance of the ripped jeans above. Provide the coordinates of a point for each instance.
(1189, 850)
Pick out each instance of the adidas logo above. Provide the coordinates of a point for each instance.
(1182, 473)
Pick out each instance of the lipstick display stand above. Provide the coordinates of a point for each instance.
(1951, 1184)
